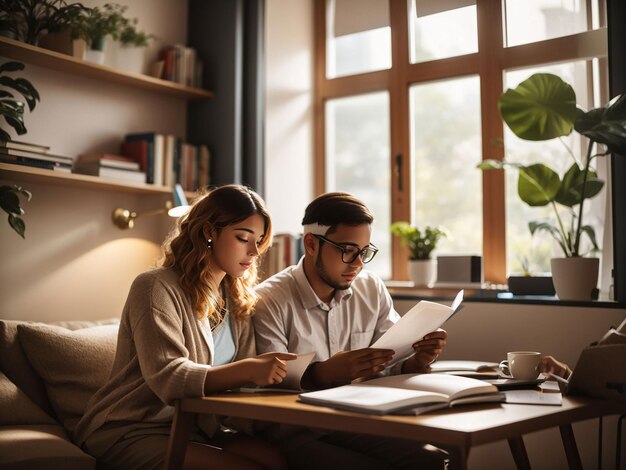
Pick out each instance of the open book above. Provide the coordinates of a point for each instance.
(422, 319)
(405, 394)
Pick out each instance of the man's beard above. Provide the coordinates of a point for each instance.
(321, 272)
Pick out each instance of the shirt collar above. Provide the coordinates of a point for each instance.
(307, 294)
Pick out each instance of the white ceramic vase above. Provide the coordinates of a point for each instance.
(575, 278)
(423, 272)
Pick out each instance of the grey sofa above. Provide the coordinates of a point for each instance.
(48, 372)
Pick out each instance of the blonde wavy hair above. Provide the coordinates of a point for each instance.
(185, 249)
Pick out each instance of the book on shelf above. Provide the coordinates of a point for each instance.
(19, 145)
(36, 163)
(139, 151)
(181, 65)
(286, 250)
(131, 176)
(156, 147)
(86, 163)
(406, 394)
(5, 151)
(423, 318)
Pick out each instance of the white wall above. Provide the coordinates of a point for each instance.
(74, 264)
(289, 111)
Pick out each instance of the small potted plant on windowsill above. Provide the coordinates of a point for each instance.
(421, 243)
(543, 107)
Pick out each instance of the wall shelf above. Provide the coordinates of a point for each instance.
(16, 50)
(26, 174)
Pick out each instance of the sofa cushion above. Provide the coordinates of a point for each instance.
(73, 364)
(41, 447)
(17, 408)
(14, 363)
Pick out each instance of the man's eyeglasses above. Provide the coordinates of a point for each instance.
(349, 253)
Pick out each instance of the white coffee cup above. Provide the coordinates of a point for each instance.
(524, 365)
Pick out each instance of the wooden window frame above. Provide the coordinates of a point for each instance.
(489, 63)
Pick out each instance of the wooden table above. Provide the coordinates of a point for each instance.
(454, 430)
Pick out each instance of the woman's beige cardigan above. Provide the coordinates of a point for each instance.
(161, 356)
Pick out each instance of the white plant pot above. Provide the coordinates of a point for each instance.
(423, 272)
(575, 278)
(129, 59)
(94, 56)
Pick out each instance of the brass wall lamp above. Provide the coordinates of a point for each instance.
(125, 219)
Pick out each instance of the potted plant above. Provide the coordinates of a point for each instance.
(421, 243)
(28, 20)
(94, 25)
(540, 108)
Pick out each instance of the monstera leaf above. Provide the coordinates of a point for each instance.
(542, 107)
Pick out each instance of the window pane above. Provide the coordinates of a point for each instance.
(535, 20)
(445, 148)
(538, 249)
(358, 38)
(439, 35)
(357, 161)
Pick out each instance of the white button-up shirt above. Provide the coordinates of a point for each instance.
(290, 317)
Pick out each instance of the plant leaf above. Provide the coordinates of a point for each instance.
(606, 125)
(549, 226)
(591, 233)
(17, 224)
(537, 184)
(11, 67)
(541, 107)
(570, 190)
(9, 202)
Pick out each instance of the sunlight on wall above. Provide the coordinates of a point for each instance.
(91, 286)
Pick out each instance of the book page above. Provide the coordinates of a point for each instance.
(475, 366)
(422, 319)
(291, 382)
(370, 398)
(447, 385)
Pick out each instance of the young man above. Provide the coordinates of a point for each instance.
(329, 305)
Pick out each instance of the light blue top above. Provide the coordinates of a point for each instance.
(224, 342)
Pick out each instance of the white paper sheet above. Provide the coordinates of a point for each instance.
(422, 319)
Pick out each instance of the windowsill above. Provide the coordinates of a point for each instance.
(405, 290)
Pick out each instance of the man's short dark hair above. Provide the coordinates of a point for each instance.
(337, 208)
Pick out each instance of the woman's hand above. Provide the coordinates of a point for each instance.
(269, 368)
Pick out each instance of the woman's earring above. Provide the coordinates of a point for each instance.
(209, 243)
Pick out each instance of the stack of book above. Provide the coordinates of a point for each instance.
(107, 165)
(24, 153)
(167, 160)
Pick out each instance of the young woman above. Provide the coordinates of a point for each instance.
(185, 331)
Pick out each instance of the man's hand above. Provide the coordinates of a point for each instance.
(269, 368)
(346, 366)
(427, 351)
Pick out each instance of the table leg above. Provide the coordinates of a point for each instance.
(458, 458)
(569, 444)
(518, 450)
(179, 437)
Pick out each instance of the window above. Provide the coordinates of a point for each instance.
(413, 92)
